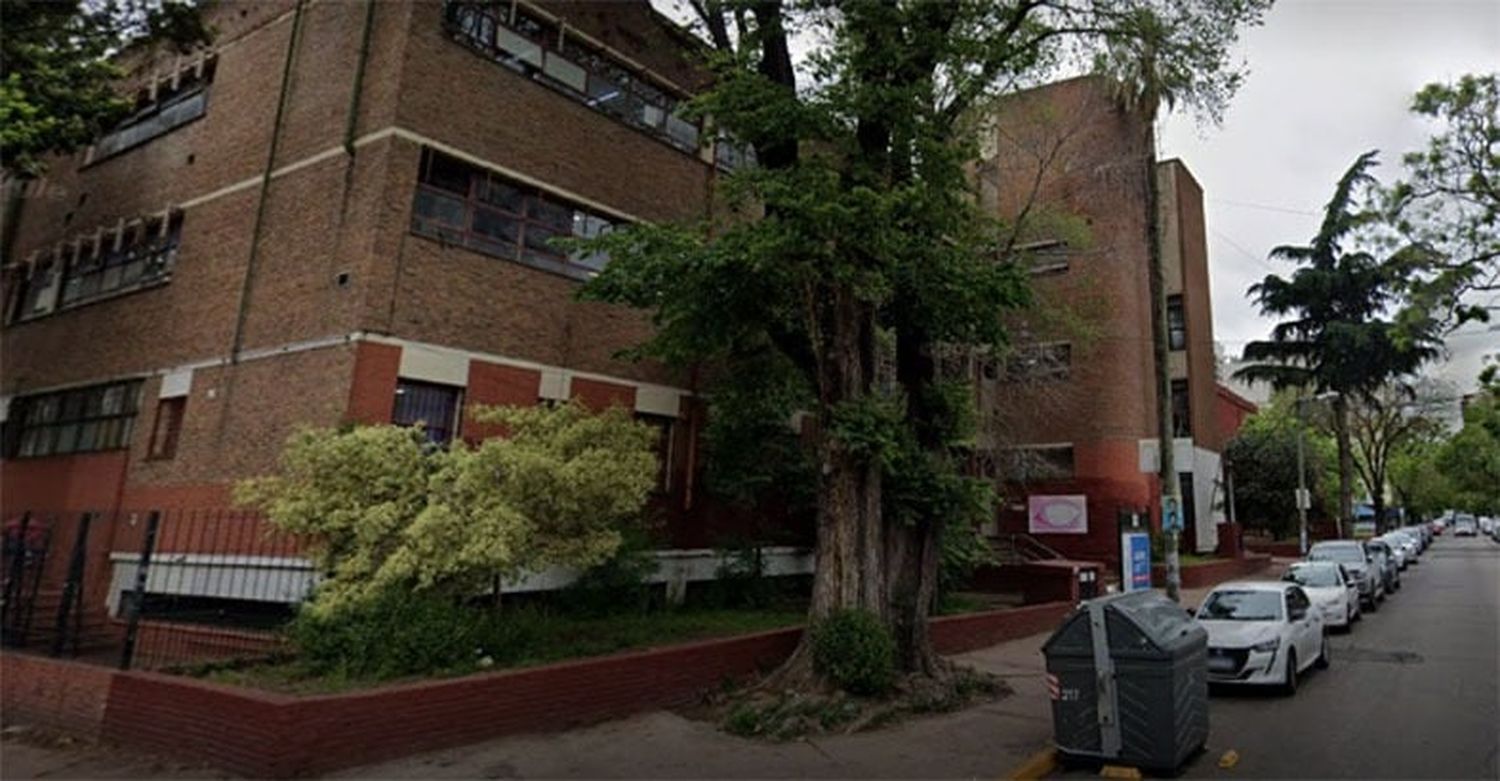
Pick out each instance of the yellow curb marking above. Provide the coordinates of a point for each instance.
(1230, 759)
(1121, 772)
(1040, 765)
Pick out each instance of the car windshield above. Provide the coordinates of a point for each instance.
(1314, 576)
(1242, 606)
(1342, 553)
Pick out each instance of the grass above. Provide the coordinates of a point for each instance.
(1189, 559)
(540, 638)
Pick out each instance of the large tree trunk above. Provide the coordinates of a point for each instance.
(915, 550)
(1346, 462)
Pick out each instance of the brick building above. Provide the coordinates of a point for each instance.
(1073, 407)
(341, 212)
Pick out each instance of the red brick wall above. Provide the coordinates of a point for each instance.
(372, 394)
(1215, 572)
(89, 481)
(600, 395)
(493, 385)
(262, 734)
(54, 694)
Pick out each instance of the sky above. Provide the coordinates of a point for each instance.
(1328, 80)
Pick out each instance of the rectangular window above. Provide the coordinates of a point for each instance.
(161, 107)
(35, 289)
(1033, 464)
(433, 407)
(82, 420)
(469, 206)
(664, 428)
(535, 47)
(1176, 323)
(168, 427)
(140, 253)
(1182, 412)
(1039, 362)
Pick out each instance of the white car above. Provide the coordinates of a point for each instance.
(1262, 633)
(1332, 591)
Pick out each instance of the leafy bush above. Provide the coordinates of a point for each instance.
(392, 634)
(616, 586)
(855, 651)
(379, 510)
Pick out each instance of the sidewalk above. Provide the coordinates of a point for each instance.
(985, 741)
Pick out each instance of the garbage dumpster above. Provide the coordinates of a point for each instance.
(1128, 676)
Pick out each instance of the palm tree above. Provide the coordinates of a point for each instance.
(1332, 337)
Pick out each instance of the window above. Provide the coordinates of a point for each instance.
(533, 46)
(433, 407)
(1176, 323)
(1051, 462)
(664, 449)
(467, 205)
(160, 107)
(1182, 412)
(35, 290)
(138, 253)
(168, 427)
(1040, 362)
(83, 420)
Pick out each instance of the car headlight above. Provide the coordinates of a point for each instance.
(1267, 646)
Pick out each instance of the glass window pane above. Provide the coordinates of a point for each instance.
(435, 208)
(67, 438)
(433, 407)
(497, 193)
(447, 173)
(557, 217)
(539, 240)
(496, 226)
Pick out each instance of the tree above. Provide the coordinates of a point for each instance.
(58, 72)
(1381, 423)
(1471, 458)
(854, 250)
(1334, 339)
(1264, 455)
(1447, 209)
(1422, 488)
(379, 509)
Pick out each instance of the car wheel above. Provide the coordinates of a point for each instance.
(1323, 659)
(1349, 618)
(1289, 683)
(1374, 605)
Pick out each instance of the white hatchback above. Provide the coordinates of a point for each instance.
(1262, 633)
(1332, 591)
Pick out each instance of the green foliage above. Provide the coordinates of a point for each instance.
(393, 634)
(855, 651)
(1263, 456)
(1471, 458)
(619, 584)
(965, 550)
(380, 511)
(56, 82)
(1447, 209)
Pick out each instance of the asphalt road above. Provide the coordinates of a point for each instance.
(1412, 691)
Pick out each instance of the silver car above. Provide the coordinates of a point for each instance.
(1358, 564)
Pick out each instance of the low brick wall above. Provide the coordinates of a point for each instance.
(1049, 580)
(264, 734)
(57, 695)
(1287, 550)
(1214, 572)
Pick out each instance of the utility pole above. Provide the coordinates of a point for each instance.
(1171, 489)
(1301, 482)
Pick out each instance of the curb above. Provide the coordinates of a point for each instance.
(1039, 765)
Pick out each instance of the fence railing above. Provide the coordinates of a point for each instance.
(149, 589)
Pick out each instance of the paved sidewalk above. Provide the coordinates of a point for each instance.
(985, 741)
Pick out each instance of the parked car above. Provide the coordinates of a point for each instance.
(1423, 532)
(1385, 564)
(1405, 544)
(1262, 633)
(1360, 566)
(1464, 526)
(1332, 591)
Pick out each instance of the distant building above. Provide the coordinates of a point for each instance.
(1074, 406)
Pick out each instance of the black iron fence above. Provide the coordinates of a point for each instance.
(149, 589)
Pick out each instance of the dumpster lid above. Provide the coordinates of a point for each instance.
(1138, 621)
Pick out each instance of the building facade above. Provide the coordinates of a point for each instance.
(344, 212)
(1073, 406)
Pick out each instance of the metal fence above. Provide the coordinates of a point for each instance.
(152, 589)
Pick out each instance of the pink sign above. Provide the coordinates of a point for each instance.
(1058, 514)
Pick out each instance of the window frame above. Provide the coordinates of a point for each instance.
(454, 424)
(163, 444)
(79, 409)
(1176, 323)
(1182, 414)
(527, 214)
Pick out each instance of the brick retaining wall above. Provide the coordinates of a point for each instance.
(1214, 572)
(274, 735)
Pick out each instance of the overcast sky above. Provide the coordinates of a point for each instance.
(1329, 79)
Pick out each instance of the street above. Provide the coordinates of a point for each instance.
(1411, 693)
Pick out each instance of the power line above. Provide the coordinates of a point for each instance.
(1263, 207)
(1247, 253)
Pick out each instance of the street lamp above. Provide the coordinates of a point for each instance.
(1304, 499)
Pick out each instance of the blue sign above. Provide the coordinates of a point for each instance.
(1135, 547)
(1171, 513)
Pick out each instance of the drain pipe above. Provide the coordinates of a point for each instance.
(359, 78)
(265, 186)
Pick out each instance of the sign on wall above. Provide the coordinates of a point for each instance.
(1135, 561)
(1057, 514)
